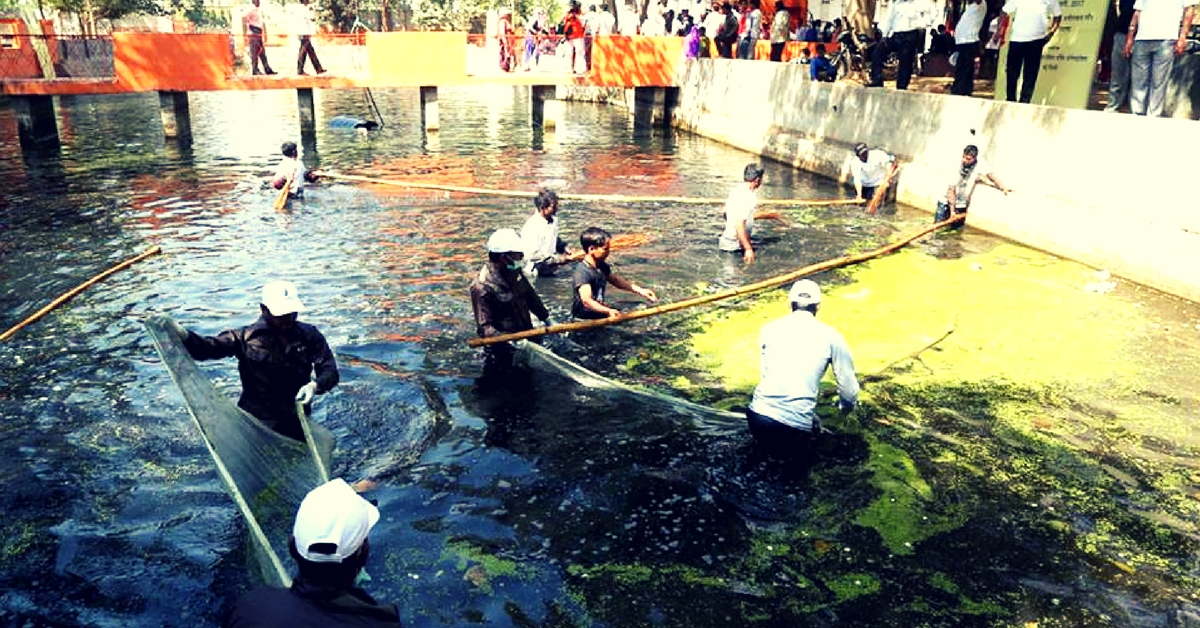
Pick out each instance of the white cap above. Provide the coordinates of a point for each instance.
(333, 514)
(805, 292)
(281, 299)
(505, 241)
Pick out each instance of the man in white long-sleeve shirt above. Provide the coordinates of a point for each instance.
(544, 250)
(906, 22)
(796, 351)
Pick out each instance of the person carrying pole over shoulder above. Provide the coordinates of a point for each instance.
(593, 274)
(503, 298)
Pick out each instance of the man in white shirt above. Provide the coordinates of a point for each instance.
(739, 214)
(255, 31)
(1026, 23)
(291, 172)
(966, 47)
(903, 29)
(869, 168)
(796, 350)
(306, 27)
(544, 250)
(1157, 34)
(605, 21)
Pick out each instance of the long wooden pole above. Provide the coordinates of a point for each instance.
(778, 280)
(281, 200)
(154, 250)
(617, 198)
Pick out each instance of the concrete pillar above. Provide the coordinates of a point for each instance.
(650, 107)
(545, 110)
(35, 120)
(176, 116)
(429, 108)
(308, 116)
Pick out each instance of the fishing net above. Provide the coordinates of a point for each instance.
(266, 474)
(707, 420)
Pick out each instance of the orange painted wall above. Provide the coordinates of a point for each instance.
(635, 61)
(22, 61)
(438, 58)
(164, 61)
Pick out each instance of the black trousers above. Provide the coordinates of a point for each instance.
(258, 52)
(779, 440)
(905, 45)
(306, 50)
(964, 69)
(777, 51)
(1024, 62)
(725, 49)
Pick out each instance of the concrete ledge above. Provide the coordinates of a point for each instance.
(1109, 190)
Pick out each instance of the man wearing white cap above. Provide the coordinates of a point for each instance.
(503, 298)
(330, 546)
(796, 351)
(277, 358)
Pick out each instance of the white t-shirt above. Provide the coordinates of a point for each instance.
(291, 169)
(540, 239)
(871, 173)
(753, 25)
(1160, 19)
(993, 42)
(967, 31)
(1029, 21)
(303, 18)
(605, 23)
(739, 207)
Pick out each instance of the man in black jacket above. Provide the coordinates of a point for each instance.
(277, 357)
(329, 544)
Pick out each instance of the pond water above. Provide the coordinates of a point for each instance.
(548, 505)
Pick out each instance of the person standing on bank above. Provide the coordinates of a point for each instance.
(1025, 21)
(869, 168)
(593, 274)
(544, 250)
(795, 352)
(962, 186)
(1157, 34)
(739, 214)
(966, 47)
(780, 30)
(306, 27)
(1118, 76)
(254, 29)
(903, 29)
(329, 545)
(574, 32)
(280, 360)
(503, 298)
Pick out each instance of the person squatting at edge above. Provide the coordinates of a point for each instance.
(593, 274)
(277, 356)
(962, 186)
(502, 298)
(293, 170)
(329, 545)
(869, 170)
(544, 250)
(795, 352)
(739, 214)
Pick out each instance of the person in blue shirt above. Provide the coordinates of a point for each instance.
(820, 69)
(796, 350)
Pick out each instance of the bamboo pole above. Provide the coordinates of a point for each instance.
(616, 198)
(77, 289)
(846, 260)
(281, 200)
(881, 191)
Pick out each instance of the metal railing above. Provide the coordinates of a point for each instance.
(24, 56)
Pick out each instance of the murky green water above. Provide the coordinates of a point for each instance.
(548, 506)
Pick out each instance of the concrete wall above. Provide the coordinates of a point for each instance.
(1113, 191)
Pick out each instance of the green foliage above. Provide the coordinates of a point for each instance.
(108, 9)
(196, 13)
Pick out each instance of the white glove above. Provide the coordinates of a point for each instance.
(306, 393)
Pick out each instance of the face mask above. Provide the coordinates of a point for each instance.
(514, 265)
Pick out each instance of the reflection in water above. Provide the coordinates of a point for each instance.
(538, 502)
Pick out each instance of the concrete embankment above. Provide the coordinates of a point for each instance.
(1112, 191)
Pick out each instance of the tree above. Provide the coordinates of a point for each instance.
(91, 10)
